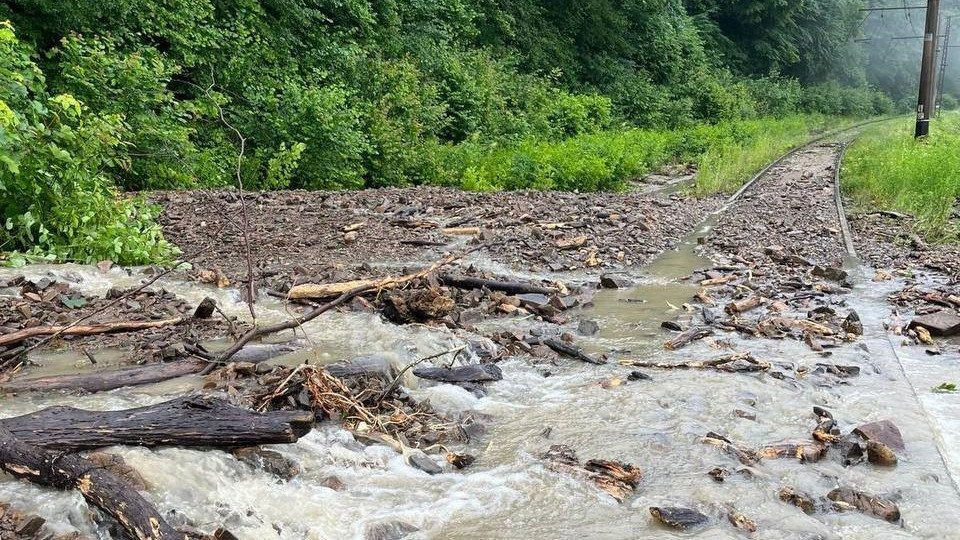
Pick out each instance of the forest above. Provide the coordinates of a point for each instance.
(347, 94)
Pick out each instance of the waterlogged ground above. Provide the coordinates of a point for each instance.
(508, 493)
(348, 490)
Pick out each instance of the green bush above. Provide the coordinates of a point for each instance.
(56, 200)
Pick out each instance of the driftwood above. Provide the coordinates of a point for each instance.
(509, 287)
(572, 351)
(689, 336)
(185, 422)
(738, 362)
(296, 322)
(741, 306)
(84, 329)
(108, 380)
(615, 478)
(472, 373)
(137, 375)
(99, 487)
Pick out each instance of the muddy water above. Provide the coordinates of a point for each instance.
(508, 494)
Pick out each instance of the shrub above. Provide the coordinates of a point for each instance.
(57, 200)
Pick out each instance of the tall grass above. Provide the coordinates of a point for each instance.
(727, 153)
(887, 169)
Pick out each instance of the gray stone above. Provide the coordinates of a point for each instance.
(588, 327)
(615, 281)
(883, 431)
(423, 462)
(942, 323)
(678, 517)
(388, 530)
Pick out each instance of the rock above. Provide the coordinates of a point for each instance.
(471, 316)
(671, 325)
(388, 530)
(420, 460)
(880, 454)
(942, 323)
(638, 376)
(852, 324)
(588, 327)
(615, 281)
(350, 237)
(268, 460)
(678, 517)
(829, 272)
(798, 498)
(847, 499)
(883, 431)
(333, 483)
(460, 461)
(537, 302)
(850, 451)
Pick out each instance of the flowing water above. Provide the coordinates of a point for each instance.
(508, 493)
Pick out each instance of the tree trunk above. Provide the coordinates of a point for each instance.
(84, 329)
(100, 488)
(186, 422)
(509, 287)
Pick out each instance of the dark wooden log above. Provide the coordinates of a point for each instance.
(689, 336)
(138, 375)
(474, 373)
(509, 287)
(98, 487)
(572, 351)
(186, 422)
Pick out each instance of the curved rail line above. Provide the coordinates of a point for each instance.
(851, 251)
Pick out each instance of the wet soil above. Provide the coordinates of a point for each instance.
(524, 231)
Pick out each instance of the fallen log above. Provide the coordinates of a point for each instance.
(687, 337)
(186, 422)
(138, 375)
(738, 362)
(616, 478)
(509, 287)
(98, 487)
(329, 290)
(472, 373)
(572, 351)
(85, 329)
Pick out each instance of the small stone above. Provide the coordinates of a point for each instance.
(829, 272)
(587, 327)
(420, 460)
(638, 376)
(614, 281)
(460, 461)
(388, 530)
(846, 498)
(852, 324)
(797, 498)
(880, 454)
(350, 237)
(678, 517)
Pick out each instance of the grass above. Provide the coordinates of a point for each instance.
(887, 169)
(727, 153)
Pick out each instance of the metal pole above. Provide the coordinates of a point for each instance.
(943, 66)
(928, 69)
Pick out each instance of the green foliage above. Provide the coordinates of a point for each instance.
(887, 168)
(56, 200)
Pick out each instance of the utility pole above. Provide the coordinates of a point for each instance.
(943, 65)
(928, 69)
